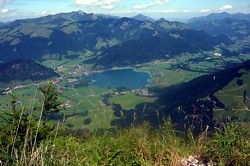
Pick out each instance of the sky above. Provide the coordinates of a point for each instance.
(170, 9)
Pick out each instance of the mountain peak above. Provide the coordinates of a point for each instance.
(221, 16)
(225, 13)
(161, 20)
(81, 12)
(141, 17)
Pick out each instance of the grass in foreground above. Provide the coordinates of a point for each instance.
(26, 140)
(142, 145)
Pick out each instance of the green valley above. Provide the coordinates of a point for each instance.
(90, 82)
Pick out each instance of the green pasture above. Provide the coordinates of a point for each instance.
(232, 96)
(87, 98)
(163, 75)
(129, 101)
(100, 119)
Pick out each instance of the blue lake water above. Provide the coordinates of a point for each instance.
(129, 78)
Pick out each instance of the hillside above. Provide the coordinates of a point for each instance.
(159, 46)
(194, 102)
(21, 70)
(73, 34)
(233, 25)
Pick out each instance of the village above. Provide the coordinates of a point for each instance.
(9, 90)
(139, 92)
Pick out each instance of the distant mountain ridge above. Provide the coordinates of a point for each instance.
(21, 70)
(123, 41)
(108, 16)
(232, 25)
(54, 36)
(2, 24)
(221, 16)
(141, 17)
(62, 17)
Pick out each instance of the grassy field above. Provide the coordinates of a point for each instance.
(89, 98)
(129, 101)
(100, 119)
(165, 75)
(233, 98)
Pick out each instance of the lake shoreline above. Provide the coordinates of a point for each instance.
(128, 77)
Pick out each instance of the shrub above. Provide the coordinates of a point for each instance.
(229, 145)
(87, 121)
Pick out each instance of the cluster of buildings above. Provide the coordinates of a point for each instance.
(9, 90)
(138, 92)
(72, 80)
(79, 70)
(6, 91)
(142, 92)
(65, 105)
(56, 81)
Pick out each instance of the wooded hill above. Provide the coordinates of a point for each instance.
(21, 70)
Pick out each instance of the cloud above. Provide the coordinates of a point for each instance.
(153, 3)
(205, 10)
(44, 12)
(173, 11)
(168, 11)
(226, 7)
(4, 11)
(108, 7)
(4, 2)
(102, 3)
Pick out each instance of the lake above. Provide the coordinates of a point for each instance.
(128, 78)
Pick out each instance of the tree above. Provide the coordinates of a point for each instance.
(239, 82)
(15, 131)
(20, 131)
(50, 101)
(87, 121)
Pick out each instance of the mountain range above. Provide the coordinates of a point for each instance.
(54, 36)
(232, 25)
(221, 16)
(160, 46)
(123, 41)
